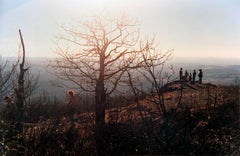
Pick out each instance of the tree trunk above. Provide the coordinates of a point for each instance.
(100, 100)
(20, 90)
(100, 106)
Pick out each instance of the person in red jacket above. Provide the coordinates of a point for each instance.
(72, 100)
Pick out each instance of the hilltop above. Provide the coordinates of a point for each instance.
(179, 96)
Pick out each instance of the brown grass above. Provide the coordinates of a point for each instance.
(205, 121)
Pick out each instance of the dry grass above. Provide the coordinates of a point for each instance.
(205, 121)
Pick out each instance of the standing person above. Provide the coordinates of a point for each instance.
(9, 100)
(10, 109)
(200, 75)
(72, 101)
(194, 76)
(180, 74)
(190, 77)
(186, 75)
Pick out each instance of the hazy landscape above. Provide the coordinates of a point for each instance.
(104, 77)
(200, 118)
(216, 71)
(148, 116)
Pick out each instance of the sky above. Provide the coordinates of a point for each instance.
(193, 28)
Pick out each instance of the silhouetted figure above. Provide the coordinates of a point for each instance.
(186, 75)
(200, 75)
(72, 102)
(194, 76)
(72, 98)
(9, 100)
(180, 74)
(10, 109)
(190, 77)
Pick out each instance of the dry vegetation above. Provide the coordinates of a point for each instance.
(201, 119)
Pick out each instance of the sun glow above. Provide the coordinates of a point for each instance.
(183, 25)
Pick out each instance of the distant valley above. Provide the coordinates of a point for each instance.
(217, 71)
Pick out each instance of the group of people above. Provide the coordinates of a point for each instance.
(191, 77)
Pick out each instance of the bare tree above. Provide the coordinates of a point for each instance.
(6, 75)
(96, 57)
(153, 75)
(23, 83)
(26, 82)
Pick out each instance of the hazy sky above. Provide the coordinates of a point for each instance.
(207, 28)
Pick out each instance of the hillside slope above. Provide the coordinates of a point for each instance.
(200, 119)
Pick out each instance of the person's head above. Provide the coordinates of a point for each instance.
(71, 93)
(180, 68)
(200, 69)
(8, 99)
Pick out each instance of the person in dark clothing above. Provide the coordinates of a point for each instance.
(190, 77)
(10, 110)
(9, 100)
(180, 74)
(194, 76)
(200, 75)
(186, 75)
